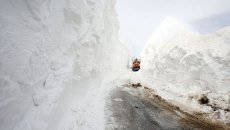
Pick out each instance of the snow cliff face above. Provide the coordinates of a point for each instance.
(181, 63)
(48, 46)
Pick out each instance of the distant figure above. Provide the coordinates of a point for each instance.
(136, 65)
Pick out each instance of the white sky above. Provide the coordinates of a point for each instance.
(139, 18)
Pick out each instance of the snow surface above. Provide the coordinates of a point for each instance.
(55, 58)
(182, 65)
(59, 60)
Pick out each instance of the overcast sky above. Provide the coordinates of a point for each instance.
(139, 18)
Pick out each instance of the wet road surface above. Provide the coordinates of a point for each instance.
(130, 111)
(136, 107)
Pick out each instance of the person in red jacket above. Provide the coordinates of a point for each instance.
(136, 65)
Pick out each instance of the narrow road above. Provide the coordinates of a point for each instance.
(129, 109)
(131, 112)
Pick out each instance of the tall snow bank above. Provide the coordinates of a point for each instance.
(51, 51)
(183, 65)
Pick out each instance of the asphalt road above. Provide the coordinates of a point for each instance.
(127, 110)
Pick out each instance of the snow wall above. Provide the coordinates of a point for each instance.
(52, 51)
(181, 65)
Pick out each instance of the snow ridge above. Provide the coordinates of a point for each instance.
(183, 65)
(53, 55)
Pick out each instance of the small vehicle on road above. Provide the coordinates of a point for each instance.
(136, 65)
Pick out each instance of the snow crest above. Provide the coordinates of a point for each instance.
(182, 65)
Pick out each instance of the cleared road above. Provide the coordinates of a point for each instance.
(129, 109)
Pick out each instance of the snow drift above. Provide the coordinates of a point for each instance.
(54, 53)
(182, 65)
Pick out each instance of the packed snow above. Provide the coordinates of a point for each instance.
(55, 56)
(183, 66)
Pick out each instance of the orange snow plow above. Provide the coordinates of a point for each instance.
(136, 65)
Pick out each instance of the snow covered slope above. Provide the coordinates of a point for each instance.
(51, 53)
(183, 65)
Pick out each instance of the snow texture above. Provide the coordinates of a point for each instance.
(53, 57)
(183, 65)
